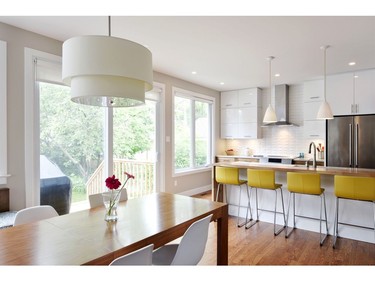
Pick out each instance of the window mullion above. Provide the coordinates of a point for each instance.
(108, 142)
(192, 134)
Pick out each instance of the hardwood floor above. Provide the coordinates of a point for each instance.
(258, 246)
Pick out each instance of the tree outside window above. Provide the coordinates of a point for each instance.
(192, 132)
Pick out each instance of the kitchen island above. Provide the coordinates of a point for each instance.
(352, 212)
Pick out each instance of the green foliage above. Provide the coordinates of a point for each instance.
(183, 125)
(71, 135)
(133, 130)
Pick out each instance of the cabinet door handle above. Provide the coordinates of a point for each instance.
(357, 108)
(316, 97)
(248, 136)
(352, 111)
(229, 104)
(247, 103)
(314, 135)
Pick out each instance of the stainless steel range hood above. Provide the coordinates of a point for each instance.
(281, 107)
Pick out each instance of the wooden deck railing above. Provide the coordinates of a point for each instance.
(143, 182)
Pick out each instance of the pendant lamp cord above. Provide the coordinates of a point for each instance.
(325, 51)
(270, 80)
(270, 76)
(109, 26)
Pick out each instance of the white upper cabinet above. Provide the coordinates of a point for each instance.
(248, 115)
(340, 93)
(352, 93)
(313, 95)
(364, 87)
(229, 99)
(313, 91)
(310, 110)
(240, 112)
(248, 97)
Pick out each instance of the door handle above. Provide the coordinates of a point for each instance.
(350, 144)
(356, 144)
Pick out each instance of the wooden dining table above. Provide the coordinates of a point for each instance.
(85, 238)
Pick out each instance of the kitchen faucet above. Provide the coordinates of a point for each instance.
(314, 159)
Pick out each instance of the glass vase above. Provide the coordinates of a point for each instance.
(111, 200)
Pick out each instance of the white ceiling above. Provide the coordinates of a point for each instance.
(230, 49)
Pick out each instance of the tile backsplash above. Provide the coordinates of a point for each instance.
(285, 141)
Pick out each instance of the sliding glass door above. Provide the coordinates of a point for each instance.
(76, 145)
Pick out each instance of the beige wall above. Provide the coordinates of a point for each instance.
(194, 181)
(17, 39)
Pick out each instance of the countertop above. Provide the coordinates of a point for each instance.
(301, 168)
(258, 157)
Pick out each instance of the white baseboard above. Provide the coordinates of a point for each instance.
(195, 191)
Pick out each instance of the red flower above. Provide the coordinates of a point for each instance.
(112, 182)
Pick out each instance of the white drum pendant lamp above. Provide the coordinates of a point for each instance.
(106, 71)
(325, 111)
(270, 115)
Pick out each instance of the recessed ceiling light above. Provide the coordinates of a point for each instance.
(356, 76)
(351, 63)
(277, 75)
(221, 83)
(194, 72)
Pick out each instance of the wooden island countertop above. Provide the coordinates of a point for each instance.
(300, 168)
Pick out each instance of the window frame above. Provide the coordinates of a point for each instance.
(3, 113)
(193, 96)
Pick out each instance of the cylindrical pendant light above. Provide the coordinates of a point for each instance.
(270, 115)
(324, 111)
(107, 71)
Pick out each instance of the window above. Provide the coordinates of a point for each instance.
(193, 131)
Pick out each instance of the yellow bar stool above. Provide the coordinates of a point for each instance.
(265, 179)
(229, 175)
(352, 188)
(306, 184)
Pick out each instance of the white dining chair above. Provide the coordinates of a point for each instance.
(142, 256)
(33, 214)
(189, 251)
(96, 200)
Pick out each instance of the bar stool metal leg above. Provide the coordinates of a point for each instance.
(323, 200)
(291, 194)
(336, 224)
(277, 232)
(239, 207)
(256, 206)
(248, 206)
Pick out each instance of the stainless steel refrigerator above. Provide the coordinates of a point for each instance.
(351, 141)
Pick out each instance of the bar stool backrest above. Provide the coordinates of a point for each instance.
(357, 188)
(227, 175)
(304, 183)
(261, 178)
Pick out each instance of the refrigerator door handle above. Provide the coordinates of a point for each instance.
(356, 145)
(350, 144)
